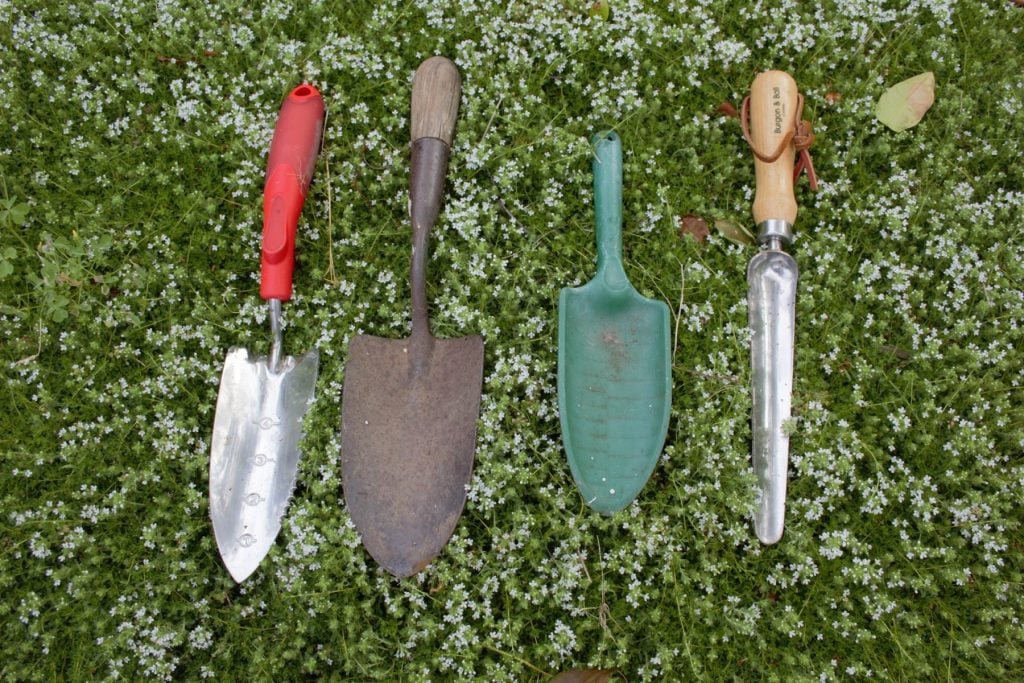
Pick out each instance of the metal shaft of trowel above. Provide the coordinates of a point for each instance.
(274, 307)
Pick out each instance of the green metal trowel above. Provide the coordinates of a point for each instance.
(614, 365)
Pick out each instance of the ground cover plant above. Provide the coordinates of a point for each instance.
(132, 151)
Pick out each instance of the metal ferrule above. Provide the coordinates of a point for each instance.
(275, 334)
(774, 233)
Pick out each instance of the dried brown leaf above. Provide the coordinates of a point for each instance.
(833, 97)
(694, 226)
(726, 109)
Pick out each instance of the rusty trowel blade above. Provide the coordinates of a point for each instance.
(408, 433)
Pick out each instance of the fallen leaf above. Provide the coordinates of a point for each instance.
(726, 109)
(601, 9)
(734, 233)
(833, 97)
(903, 105)
(585, 676)
(694, 226)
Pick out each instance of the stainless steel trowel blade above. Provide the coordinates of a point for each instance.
(771, 277)
(254, 455)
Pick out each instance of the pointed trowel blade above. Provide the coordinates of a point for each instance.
(771, 277)
(254, 457)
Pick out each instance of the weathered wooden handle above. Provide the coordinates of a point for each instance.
(773, 111)
(436, 88)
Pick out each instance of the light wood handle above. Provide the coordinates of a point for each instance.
(436, 88)
(773, 111)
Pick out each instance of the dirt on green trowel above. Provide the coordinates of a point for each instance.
(614, 365)
(409, 406)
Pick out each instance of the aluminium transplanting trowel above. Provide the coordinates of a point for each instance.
(775, 134)
(255, 447)
(614, 364)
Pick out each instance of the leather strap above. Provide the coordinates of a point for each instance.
(800, 135)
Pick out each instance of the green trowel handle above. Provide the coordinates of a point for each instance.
(608, 208)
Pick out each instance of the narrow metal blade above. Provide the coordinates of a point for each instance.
(254, 454)
(771, 277)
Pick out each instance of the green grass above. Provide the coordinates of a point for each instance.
(132, 156)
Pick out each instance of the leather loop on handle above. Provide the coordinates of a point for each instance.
(436, 89)
(774, 106)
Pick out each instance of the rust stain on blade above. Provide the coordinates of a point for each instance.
(408, 438)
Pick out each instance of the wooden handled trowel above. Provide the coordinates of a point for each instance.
(409, 406)
(254, 455)
(774, 109)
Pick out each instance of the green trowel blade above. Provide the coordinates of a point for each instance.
(614, 364)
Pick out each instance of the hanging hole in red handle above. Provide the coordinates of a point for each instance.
(303, 91)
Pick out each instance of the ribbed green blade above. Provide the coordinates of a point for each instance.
(614, 364)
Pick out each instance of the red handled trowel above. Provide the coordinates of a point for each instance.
(254, 456)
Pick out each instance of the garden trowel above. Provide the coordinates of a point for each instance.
(614, 364)
(255, 448)
(774, 116)
(409, 406)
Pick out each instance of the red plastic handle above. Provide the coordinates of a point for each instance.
(290, 167)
